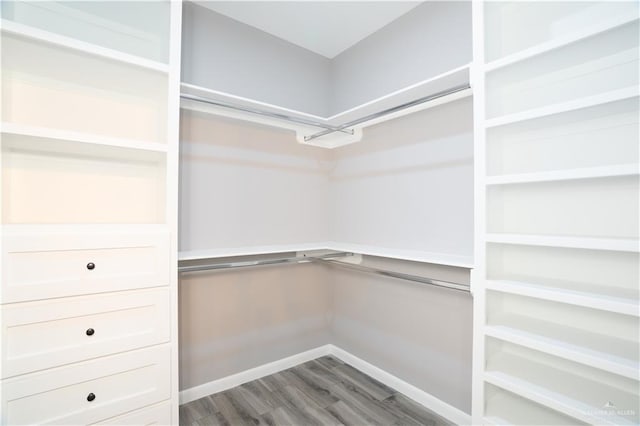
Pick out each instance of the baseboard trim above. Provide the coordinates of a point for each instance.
(245, 376)
(423, 398)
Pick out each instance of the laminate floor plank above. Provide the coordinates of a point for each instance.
(371, 385)
(215, 419)
(321, 392)
(296, 399)
(234, 410)
(316, 391)
(346, 414)
(328, 361)
(401, 404)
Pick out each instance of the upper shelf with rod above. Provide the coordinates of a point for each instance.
(339, 129)
(238, 68)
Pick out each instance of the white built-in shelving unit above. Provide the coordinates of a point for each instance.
(89, 212)
(556, 292)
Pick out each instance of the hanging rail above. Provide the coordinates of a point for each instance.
(398, 275)
(270, 114)
(328, 129)
(390, 111)
(262, 262)
(328, 259)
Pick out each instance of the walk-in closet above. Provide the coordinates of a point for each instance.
(320, 212)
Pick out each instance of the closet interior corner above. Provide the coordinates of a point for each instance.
(320, 212)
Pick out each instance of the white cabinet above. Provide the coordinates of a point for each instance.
(88, 300)
(57, 262)
(90, 391)
(49, 333)
(557, 239)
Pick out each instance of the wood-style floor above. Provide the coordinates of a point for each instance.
(324, 391)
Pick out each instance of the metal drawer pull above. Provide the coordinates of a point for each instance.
(91, 266)
(90, 331)
(91, 397)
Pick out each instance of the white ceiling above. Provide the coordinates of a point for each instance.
(324, 27)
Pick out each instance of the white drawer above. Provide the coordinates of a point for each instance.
(51, 333)
(158, 414)
(45, 262)
(116, 384)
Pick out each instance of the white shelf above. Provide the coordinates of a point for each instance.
(612, 244)
(619, 305)
(84, 138)
(506, 408)
(409, 255)
(80, 46)
(447, 80)
(82, 228)
(560, 175)
(568, 343)
(249, 251)
(559, 390)
(587, 102)
(559, 43)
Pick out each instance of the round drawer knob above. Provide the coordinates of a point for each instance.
(90, 331)
(91, 266)
(91, 397)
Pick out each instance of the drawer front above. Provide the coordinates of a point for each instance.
(51, 333)
(41, 265)
(88, 392)
(158, 414)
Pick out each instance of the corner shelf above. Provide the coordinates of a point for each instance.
(453, 78)
(512, 409)
(408, 255)
(587, 102)
(47, 37)
(613, 244)
(530, 379)
(558, 43)
(79, 137)
(618, 305)
(563, 175)
(568, 343)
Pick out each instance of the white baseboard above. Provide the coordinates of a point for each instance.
(423, 398)
(245, 376)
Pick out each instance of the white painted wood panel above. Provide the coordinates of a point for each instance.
(134, 28)
(158, 414)
(510, 27)
(604, 135)
(580, 208)
(41, 262)
(588, 68)
(120, 383)
(50, 181)
(56, 87)
(50, 333)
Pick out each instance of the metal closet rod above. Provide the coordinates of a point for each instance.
(398, 275)
(329, 259)
(328, 129)
(391, 110)
(270, 114)
(261, 262)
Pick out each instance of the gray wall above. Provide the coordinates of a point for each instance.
(233, 321)
(432, 38)
(419, 333)
(236, 320)
(226, 55)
